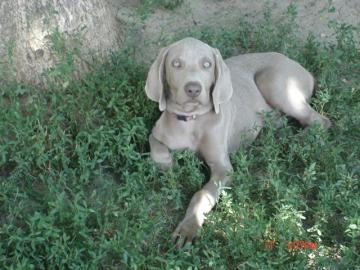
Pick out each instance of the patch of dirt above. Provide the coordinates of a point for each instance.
(161, 24)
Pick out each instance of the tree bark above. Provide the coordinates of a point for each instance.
(26, 28)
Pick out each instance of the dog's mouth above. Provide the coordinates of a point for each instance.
(186, 105)
(192, 102)
(191, 105)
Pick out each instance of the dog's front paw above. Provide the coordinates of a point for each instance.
(326, 123)
(186, 230)
(164, 166)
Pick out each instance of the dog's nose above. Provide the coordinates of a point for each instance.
(192, 89)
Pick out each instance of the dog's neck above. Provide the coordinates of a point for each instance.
(190, 117)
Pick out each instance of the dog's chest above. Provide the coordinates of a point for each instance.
(181, 141)
(178, 134)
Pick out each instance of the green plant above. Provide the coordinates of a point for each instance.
(169, 4)
(147, 6)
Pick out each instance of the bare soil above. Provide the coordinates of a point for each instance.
(161, 24)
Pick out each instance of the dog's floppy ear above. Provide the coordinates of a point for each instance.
(223, 89)
(154, 86)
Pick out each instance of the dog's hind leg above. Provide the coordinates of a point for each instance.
(288, 87)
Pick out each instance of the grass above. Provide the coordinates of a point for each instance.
(147, 7)
(78, 189)
(169, 4)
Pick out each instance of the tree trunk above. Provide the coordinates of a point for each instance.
(27, 27)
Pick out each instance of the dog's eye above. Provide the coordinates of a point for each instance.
(176, 63)
(206, 64)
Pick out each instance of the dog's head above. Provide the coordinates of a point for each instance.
(189, 77)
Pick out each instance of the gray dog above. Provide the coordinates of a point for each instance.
(212, 106)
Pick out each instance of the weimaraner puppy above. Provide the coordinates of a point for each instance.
(212, 106)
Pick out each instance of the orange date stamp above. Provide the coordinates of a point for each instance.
(292, 245)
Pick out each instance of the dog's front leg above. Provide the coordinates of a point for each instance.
(160, 153)
(202, 202)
